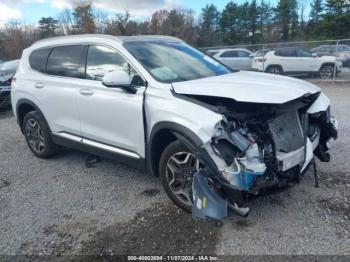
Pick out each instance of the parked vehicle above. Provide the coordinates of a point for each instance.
(7, 71)
(212, 136)
(340, 51)
(236, 59)
(296, 61)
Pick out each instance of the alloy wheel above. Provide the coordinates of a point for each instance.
(180, 169)
(326, 72)
(275, 71)
(34, 135)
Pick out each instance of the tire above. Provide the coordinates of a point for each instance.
(37, 135)
(276, 70)
(5, 101)
(171, 157)
(326, 71)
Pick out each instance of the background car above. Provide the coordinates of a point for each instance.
(236, 59)
(340, 51)
(7, 71)
(296, 61)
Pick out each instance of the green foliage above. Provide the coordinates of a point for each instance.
(209, 26)
(84, 18)
(47, 27)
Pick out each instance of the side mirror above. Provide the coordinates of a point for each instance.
(314, 55)
(119, 79)
(252, 56)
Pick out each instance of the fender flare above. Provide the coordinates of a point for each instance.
(186, 136)
(178, 130)
(31, 103)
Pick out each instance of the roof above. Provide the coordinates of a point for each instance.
(91, 37)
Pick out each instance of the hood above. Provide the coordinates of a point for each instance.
(5, 75)
(245, 86)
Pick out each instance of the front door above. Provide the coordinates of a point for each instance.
(110, 116)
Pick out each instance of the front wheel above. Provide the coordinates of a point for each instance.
(176, 167)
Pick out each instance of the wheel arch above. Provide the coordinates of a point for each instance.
(327, 63)
(162, 134)
(25, 106)
(271, 65)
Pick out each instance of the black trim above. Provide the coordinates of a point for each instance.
(138, 163)
(174, 128)
(22, 101)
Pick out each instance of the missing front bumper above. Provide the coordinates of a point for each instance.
(207, 204)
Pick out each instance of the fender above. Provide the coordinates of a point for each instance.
(31, 103)
(176, 129)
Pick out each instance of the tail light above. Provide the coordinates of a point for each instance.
(260, 60)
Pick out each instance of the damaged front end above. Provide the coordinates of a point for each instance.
(259, 146)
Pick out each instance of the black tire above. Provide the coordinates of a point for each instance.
(276, 70)
(36, 129)
(175, 149)
(5, 102)
(326, 71)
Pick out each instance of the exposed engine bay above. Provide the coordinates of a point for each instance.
(258, 146)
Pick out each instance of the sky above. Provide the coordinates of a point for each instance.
(30, 11)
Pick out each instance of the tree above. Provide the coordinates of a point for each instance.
(174, 23)
(335, 22)
(47, 27)
(287, 18)
(265, 14)
(157, 21)
(316, 10)
(209, 26)
(83, 17)
(122, 20)
(253, 21)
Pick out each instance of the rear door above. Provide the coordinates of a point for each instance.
(231, 59)
(245, 59)
(307, 63)
(288, 59)
(57, 89)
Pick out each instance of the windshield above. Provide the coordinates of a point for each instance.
(174, 61)
(342, 48)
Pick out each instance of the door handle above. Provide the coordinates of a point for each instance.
(86, 92)
(39, 85)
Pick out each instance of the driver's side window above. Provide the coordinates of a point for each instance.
(102, 59)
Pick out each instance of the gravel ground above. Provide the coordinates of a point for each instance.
(61, 207)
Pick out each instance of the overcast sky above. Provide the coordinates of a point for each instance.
(30, 11)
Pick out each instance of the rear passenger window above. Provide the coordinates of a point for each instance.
(101, 60)
(286, 53)
(38, 58)
(67, 61)
(229, 54)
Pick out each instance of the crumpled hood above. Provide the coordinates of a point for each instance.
(5, 75)
(245, 86)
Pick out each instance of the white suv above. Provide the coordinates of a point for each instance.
(212, 135)
(296, 61)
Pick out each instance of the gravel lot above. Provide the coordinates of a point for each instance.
(61, 207)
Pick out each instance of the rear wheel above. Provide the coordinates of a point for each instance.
(37, 135)
(176, 167)
(326, 71)
(276, 70)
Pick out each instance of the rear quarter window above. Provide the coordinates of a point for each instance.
(38, 59)
(67, 61)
